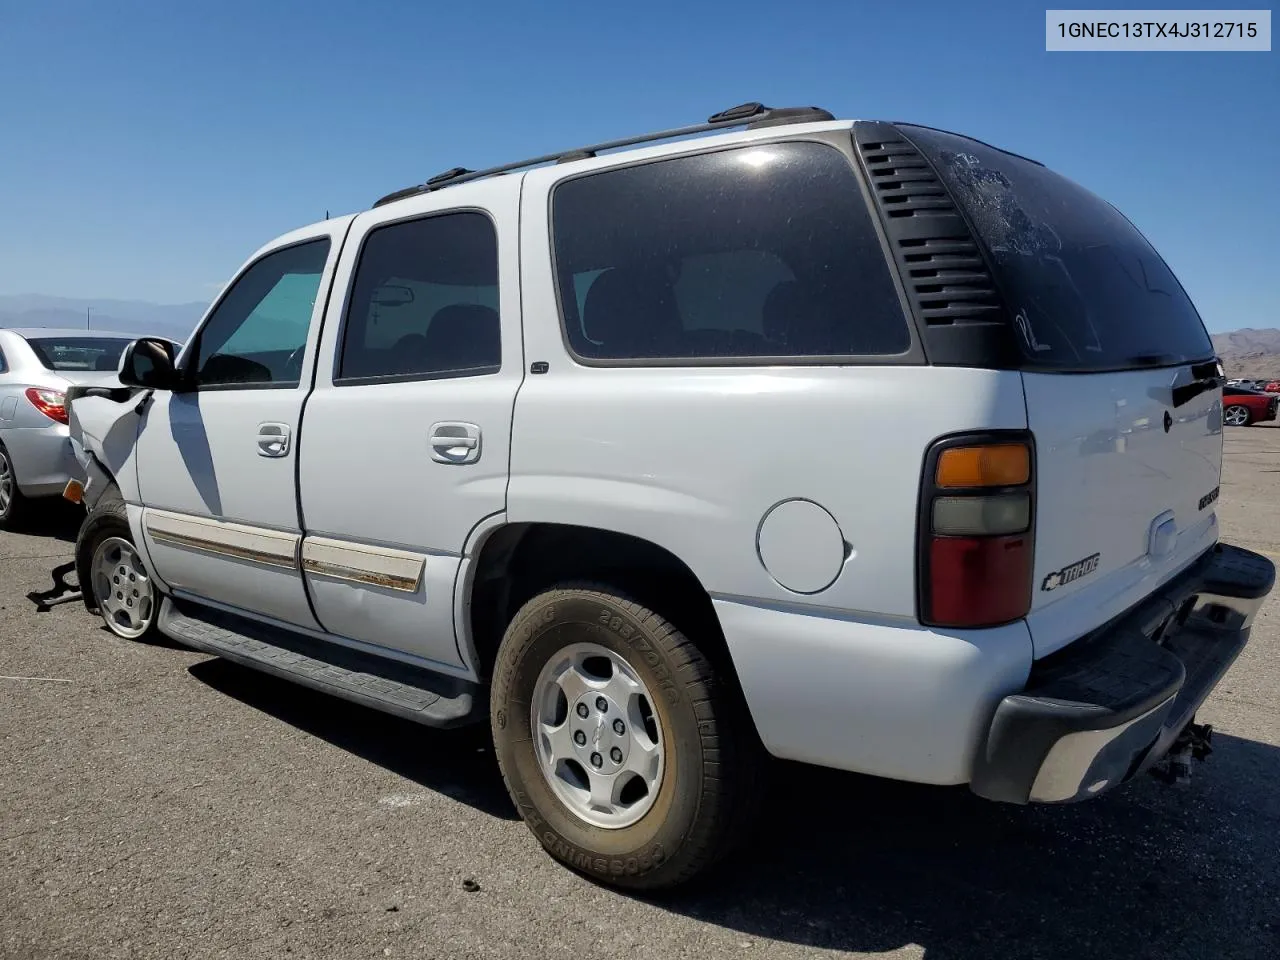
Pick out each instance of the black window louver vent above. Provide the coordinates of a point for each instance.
(944, 273)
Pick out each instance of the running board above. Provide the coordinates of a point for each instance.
(420, 695)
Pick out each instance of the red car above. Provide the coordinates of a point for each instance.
(1272, 386)
(1241, 408)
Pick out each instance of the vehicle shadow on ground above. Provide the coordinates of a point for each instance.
(849, 863)
(56, 520)
(458, 763)
(843, 862)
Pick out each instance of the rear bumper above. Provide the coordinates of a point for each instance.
(1107, 707)
(42, 458)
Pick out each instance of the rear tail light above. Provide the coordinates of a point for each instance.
(52, 403)
(984, 465)
(977, 519)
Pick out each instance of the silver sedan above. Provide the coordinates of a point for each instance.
(36, 367)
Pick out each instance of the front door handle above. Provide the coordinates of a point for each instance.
(273, 439)
(455, 442)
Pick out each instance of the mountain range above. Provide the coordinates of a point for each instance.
(1249, 353)
(130, 316)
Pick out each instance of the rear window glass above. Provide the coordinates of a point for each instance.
(99, 354)
(1087, 289)
(760, 251)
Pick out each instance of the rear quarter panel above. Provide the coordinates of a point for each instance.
(693, 458)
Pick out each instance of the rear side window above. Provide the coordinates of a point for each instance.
(97, 354)
(1087, 291)
(424, 302)
(759, 251)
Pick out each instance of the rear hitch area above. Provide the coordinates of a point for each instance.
(1123, 701)
(1194, 742)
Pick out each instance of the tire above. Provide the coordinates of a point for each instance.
(15, 509)
(706, 791)
(1237, 415)
(113, 581)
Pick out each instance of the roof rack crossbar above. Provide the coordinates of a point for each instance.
(748, 114)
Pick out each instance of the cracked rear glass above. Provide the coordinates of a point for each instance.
(1086, 289)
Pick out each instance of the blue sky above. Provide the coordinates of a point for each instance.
(146, 149)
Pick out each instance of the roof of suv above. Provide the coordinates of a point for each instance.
(751, 116)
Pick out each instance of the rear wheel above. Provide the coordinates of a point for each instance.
(112, 576)
(1236, 415)
(14, 507)
(625, 755)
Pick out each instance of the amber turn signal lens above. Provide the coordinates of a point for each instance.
(992, 465)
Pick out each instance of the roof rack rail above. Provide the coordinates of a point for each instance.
(751, 115)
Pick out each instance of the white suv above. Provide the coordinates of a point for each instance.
(860, 444)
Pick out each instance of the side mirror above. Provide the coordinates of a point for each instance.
(148, 363)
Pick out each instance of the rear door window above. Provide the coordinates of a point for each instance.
(424, 302)
(1087, 291)
(760, 251)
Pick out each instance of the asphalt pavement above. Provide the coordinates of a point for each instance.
(159, 803)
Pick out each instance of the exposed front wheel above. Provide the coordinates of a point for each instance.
(112, 575)
(1236, 416)
(626, 756)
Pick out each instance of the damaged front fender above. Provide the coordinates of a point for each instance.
(103, 424)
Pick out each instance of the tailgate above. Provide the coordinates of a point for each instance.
(1127, 487)
(1123, 391)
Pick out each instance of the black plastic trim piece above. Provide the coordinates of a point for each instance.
(116, 394)
(222, 387)
(955, 301)
(742, 112)
(776, 117)
(418, 694)
(929, 490)
(485, 371)
(453, 173)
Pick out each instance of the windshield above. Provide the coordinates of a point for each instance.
(1087, 290)
(79, 353)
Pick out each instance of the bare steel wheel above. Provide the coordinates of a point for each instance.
(122, 589)
(1236, 415)
(598, 739)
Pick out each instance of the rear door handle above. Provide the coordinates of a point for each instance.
(273, 439)
(453, 441)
